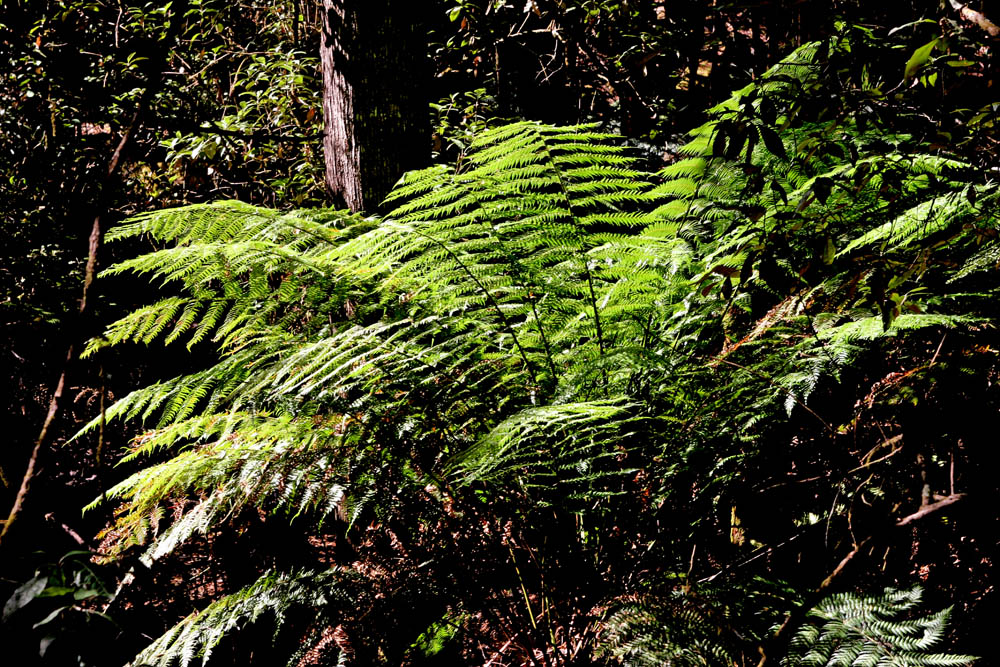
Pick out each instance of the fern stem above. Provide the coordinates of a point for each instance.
(563, 190)
(520, 272)
(593, 304)
(489, 297)
(524, 590)
(545, 340)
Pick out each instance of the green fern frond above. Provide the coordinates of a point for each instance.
(922, 221)
(572, 445)
(272, 599)
(985, 259)
(678, 628)
(273, 464)
(232, 221)
(847, 630)
(871, 328)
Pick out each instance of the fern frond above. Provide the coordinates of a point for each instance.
(923, 220)
(273, 598)
(846, 630)
(233, 221)
(677, 628)
(272, 464)
(577, 446)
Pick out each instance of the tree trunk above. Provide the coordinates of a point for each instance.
(373, 56)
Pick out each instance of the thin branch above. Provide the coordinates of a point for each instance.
(181, 125)
(94, 242)
(975, 17)
(930, 509)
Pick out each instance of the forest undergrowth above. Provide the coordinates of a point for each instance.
(553, 408)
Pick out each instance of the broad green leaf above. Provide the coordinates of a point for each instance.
(919, 59)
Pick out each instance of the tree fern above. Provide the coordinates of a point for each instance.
(530, 346)
(509, 233)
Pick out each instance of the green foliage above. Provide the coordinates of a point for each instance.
(275, 464)
(567, 450)
(58, 610)
(676, 629)
(266, 125)
(500, 264)
(274, 597)
(685, 628)
(550, 378)
(848, 629)
(545, 361)
(234, 116)
(457, 119)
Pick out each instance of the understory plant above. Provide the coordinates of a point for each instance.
(553, 409)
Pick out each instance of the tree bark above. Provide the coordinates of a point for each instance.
(373, 56)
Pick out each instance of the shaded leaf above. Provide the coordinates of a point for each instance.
(919, 59)
(25, 593)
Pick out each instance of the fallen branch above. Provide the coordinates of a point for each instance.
(930, 509)
(975, 17)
